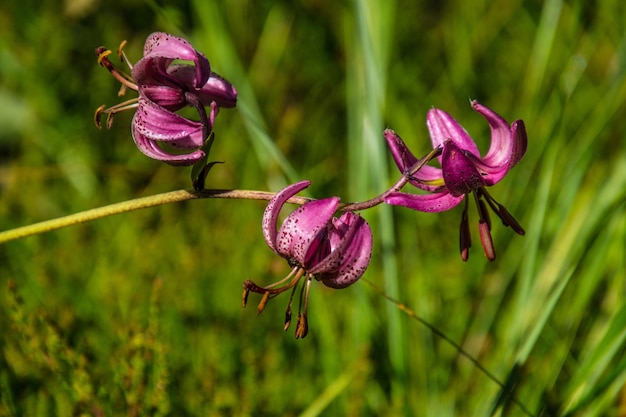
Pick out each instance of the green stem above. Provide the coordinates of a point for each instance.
(182, 195)
(506, 390)
(136, 204)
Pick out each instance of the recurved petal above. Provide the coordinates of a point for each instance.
(270, 217)
(405, 159)
(401, 153)
(164, 48)
(518, 149)
(157, 123)
(459, 171)
(215, 89)
(151, 149)
(302, 235)
(429, 203)
(502, 138)
(170, 98)
(520, 142)
(219, 90)
(442, 127)
(151, 72)
(351, 242)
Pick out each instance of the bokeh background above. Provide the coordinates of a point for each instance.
(140, 314)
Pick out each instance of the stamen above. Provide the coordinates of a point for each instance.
(102, 53)
(287, 317)
(509, 220)
(263, 303)
(288, 310)
(244, 296)
(287, 278)
(486, 241)
(269, 292)
(122, 77)
(484, 213)
(465, 239)
(126, 105)
(122, 55)
(122, 91)
(303, 326)
(98, 115)
(504, 215)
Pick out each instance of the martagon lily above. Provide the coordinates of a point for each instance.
(170, 76)
(335, 251)
(463, 171)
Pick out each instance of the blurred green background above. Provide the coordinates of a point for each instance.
(140, 313)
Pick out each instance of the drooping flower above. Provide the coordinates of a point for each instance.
(335, 251)
(463, 171)
(161, 79)
(170, 76)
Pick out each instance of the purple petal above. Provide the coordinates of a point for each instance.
(429, 203)
(501, 146)
(508, 146)
(302, 234)
(219, 90)
(163, 48)
(215, 89)
(520, 142)
(355, 248)
(157, 123)
(170, 98)
(152, 72)
(338, 236)
(442, 127)
(151, 149)
(459, 171)
(404, 159)
(270, 217)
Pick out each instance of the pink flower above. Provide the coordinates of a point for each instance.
(166, 85)
(335, 251)
(463, 171)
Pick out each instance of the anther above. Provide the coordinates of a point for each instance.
(98, 115)
(486, 241)
(465, 237)
(303, 326)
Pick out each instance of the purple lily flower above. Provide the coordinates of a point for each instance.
(463, 171)
(165, 86)
(335, 251)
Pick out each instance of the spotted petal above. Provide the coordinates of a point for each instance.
(160, 50)
(429, 203)
(151, 149)
(270, 217)
(159, 124)
(351, 249)
(303, 234)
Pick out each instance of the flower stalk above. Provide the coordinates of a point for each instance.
(136, 204)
